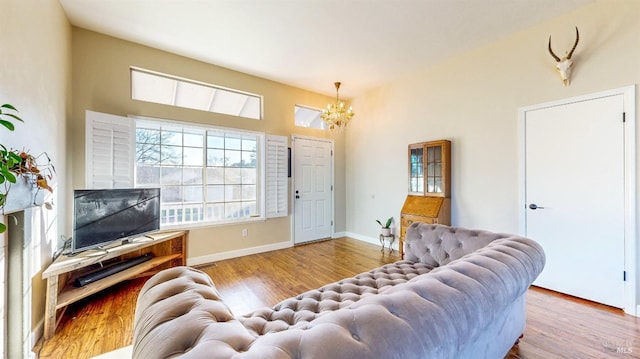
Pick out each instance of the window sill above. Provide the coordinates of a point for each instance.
(198, 225)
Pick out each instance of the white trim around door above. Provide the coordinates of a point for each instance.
(632, 304)
(295, 182)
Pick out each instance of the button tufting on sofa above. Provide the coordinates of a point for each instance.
(469, 305)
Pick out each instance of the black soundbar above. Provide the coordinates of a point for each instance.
(103, 273)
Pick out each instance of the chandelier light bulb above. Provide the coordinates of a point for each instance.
(335, 116)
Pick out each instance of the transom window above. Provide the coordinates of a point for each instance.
(309, 117)
(205, 174)
(151, 86)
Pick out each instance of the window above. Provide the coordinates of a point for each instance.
(165, 89)
(309, 117)
(206, 174)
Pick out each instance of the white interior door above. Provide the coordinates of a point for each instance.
(312, 189)
(574, 196)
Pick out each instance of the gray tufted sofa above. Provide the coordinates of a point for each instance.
(458, 293)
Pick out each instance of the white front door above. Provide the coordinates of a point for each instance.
(575, 196)
(312, 189)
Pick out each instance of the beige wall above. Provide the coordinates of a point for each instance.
(473, 100)
(101, 83)
(35, 76)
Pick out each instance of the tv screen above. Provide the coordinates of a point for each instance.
(107, 215)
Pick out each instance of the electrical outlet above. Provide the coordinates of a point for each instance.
(245, 232)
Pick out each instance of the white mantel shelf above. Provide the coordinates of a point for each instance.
(22, 195)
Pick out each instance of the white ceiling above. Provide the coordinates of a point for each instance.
(312, 43)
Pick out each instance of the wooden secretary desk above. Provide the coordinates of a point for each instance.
(429, 198)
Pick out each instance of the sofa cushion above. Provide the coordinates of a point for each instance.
(298, 311)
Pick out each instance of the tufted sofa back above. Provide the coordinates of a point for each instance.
(436, 245)
(175, 307)
(298, 311)
(427, 306)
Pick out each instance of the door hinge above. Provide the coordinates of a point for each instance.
(331, 153)
(331, 187)
(624, 117)
(624, 276)
(332, 223)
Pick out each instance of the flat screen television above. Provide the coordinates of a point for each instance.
(103, 216)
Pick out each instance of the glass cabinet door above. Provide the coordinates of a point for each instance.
(434, 169)
(430, 168)
(416, 170)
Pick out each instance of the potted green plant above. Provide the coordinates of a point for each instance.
(385, 228)
(15, 164)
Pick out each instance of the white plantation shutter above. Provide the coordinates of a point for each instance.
(276, 176)
(109, 152)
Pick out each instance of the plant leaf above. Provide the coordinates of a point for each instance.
(7, 124)
(389, 222)
(14, 116)
(8, 175)
(42, 183)
(6, 105)
(3, 228)
(16, 157)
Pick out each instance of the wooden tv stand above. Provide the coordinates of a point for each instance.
(167, 248)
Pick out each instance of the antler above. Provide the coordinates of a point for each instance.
(551, 51)
(574, 45)
(570, 52)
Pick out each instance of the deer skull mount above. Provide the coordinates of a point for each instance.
(564, 65)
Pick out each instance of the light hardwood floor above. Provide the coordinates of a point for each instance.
(558, 326)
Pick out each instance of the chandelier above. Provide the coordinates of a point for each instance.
(336, 115)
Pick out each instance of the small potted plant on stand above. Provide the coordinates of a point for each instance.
(385, 228)
(385, 233)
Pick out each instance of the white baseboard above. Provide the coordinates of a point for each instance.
(372, 240)
(339, 235)
(237, 253)
(273, 247)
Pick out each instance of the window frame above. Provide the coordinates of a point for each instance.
(108, 158)
(224, 91)
(296, 107)
(260, 167)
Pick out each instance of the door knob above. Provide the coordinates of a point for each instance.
(535, 206)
